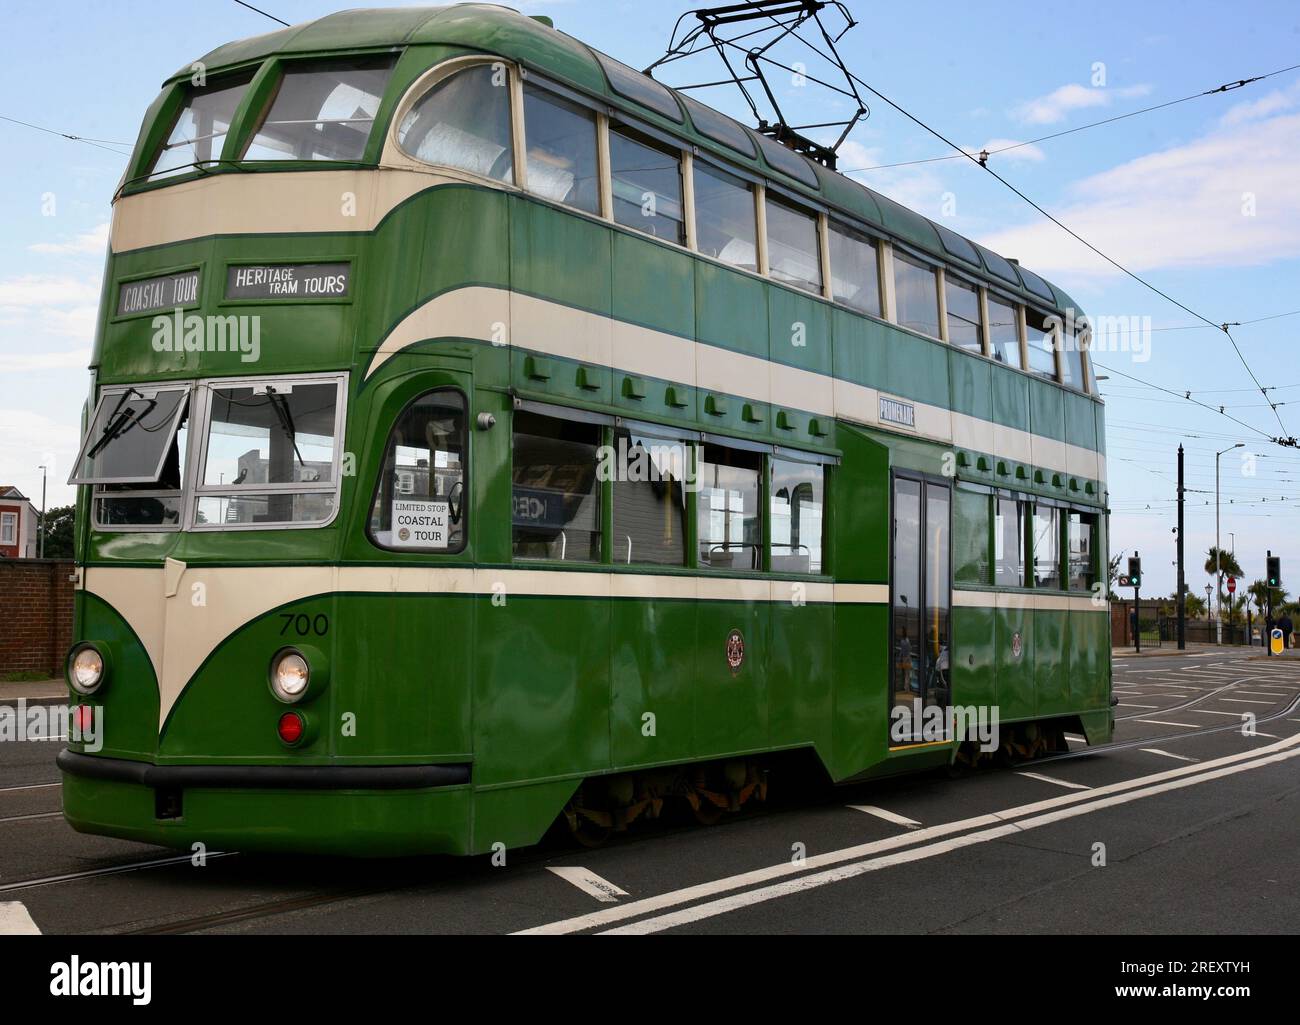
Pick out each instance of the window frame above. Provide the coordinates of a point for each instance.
(465, 475)
(9, 519)
(202, 421)
(914, 259)
(600, 123)
(111, 391)
(777, 197)
(654, 139)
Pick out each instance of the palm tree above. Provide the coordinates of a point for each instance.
(1223, 563)
(1195, 606)
(1261, 592)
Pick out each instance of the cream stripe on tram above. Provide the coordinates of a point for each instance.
(206, 605)
(553, 329)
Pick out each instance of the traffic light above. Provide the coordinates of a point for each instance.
(1274, 571)
(1134, 571)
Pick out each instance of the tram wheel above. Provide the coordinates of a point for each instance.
(708, 804)
(590, 827)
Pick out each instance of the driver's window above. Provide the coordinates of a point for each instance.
(420, 500)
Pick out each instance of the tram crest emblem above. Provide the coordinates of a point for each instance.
(1017, 644)
(735, 651)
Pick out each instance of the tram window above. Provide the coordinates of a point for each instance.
(647, 183)
(796, 509)
(970, 525)
(965, 325)
(279, 435)
(1082, 540)
(555, 496)
(730, 521)
(1072, 359)
(1042, 332)
(650, 475)
(201, 128)
(725, 221)
(916, 292)
(794, 255)
(131, 435)
(1004, 332)
(157, 504)
(322, 112)
(855, 270)
(464, 122)
(1047, 547)
(420, 498)
(561, 150)
(1009, 543)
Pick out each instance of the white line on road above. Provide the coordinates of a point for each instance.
(46, 815)
(783, 869)
(1130, 704)
(790, 887)
(590, 883)
(15, 921)
(1168, 754)
(1246, 701)
(1053, 779)
(1211, 711)
(29, 786)
(888, 816)
(1162, 722)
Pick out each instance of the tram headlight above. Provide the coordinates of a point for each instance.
(290, 676)
(87, 669)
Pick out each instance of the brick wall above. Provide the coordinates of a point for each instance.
(36, 599)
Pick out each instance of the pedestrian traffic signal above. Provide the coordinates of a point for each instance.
(1135, 571)
(1274, 571)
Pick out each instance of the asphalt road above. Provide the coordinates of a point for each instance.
(1184, 824)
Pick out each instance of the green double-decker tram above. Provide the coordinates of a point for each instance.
(484, 435)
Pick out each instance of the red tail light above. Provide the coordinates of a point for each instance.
(85, 719)
(291, 728)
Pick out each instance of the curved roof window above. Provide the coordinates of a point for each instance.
(1038, 286)
(787, 161)
(720, 128)
(957, 246)
(639, 88)
(999, 266)
(201, 127)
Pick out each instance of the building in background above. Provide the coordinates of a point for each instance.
(18, 519)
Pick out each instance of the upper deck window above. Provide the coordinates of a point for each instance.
(561, 150)
(201, 127)
(965, 327)
(464, 122)
(640, 88)
(130, 437)
(1004, 332)
(1043, 335)
(322, 112)
(855, 273)
(647, 182)
(1072, 343)
(916, 293)
(794, 254)
(725, 220)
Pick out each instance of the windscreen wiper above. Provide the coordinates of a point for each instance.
(281, 406)
(121, 420)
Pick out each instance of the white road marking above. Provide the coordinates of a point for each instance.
(1130, 704)
(15, 921)
(590, 883)
(1053, 779)
(783, 869)
(28, 884)
(1246, 701)
(790, 887)
(888, 816)
(29, 786)
(1211, 711)
(46, 815)
(1162, 722)
(1168, 754)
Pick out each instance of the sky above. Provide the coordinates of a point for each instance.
(1200, 199)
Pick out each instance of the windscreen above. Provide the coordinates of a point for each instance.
(130, 436)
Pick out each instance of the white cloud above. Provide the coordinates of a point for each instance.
(75, 359)
(1059, 103)
(1253, 110)
(35, 291)
(1187, 206)
(90, 243)
(1023, 153)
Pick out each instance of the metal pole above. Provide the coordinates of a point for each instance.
(44, 473)
(1182, 578)
(1137, 614)
(1268, 604)
(1218, 570)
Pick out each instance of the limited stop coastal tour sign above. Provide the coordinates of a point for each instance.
(420, 524)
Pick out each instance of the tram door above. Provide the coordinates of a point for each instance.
(921, 596)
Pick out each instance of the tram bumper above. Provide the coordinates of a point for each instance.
(366, 811)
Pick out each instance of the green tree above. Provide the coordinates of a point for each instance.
(1260, 593)
(1227, 566)
(59, 523)
(1195, 606)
